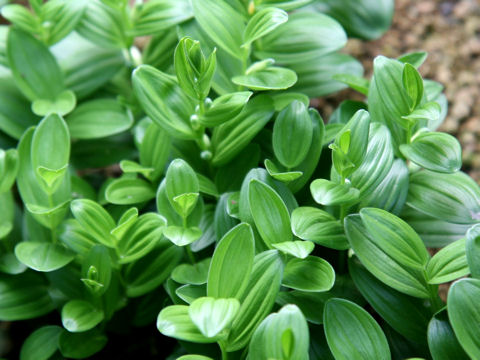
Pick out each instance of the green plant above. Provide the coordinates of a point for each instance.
(236, 219)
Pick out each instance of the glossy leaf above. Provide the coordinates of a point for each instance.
(129, 191)
(195, 274)
(299, 249)
(42, 256)
(224, 108)
(182, 187)
(80, 316)
(472, 248)
(352, 333)
(262, 23)
(41, 344)
(326, 192)
(81, 345)
(442, 342)
(211, 316)
(449, 264)
(270, 78)
(310, 274)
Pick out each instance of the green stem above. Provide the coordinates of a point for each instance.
(435, 300)
(223, 350)
(190, 255)
(409, 133)
(343, 212)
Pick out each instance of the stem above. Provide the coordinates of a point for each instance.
(435, 300)
(343, 212)
(190, 255)
(409, 133)
(223, 350)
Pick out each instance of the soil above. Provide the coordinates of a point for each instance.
(449, 31)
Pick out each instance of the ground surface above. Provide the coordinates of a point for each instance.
(449, 31)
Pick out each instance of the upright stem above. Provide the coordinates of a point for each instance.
(190, 255)
(223, 350)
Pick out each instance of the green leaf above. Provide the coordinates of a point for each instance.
(310, 274)
(131, 167)
(262, 23)
(41, 344)
(448, 264)
(103, 25)
(306, 35)
(181, 236)
(292, 123)
(157, 15)
(230, 138)
(224, 108)
(450, 197)
(150, 271)
(164, 102)
(51, 151)
(80, 316)
(413, 85)
(195, 274)
(472, 248)
(232, 262)
(155, 149)
(282, 335)
(7, 209)
(464, 314)
(415, 58)
(316, 225)
(19, 16)
(299, 249)
(174, 321)
(212, 316)
(442, 342)
(189, 293)
(63, 17)
(379, 255)
(277, 174)
(194, 357)
(94, 219)
(435, 151)
(429, 112)
(357, 83)
(390, 304)
(182, 187)
(97, 270)
(23, 296)
(34, 68)
(63, 104)
(352, 333)
(326, 192)
(223, 24)
(257, 302)
(141, 237)
(98, 118)
(81, 345)
(269, 213)
(127, 191)
(271, 78)
(42, 256)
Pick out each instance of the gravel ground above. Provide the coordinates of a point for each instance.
(450, 32)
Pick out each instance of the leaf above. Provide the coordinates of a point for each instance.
(224, 108)
(194, 357)
(448, 264)
(263, 288)
(23, 296)
(299, 249)
(326, 192)
(310, 274)
(129, 191)
(435, 151)
(269, 213)
(141, 237)
(163, 101)
(357, 83)
(414, 58)
(223, 24)
(181, 236)
(305, 36)
(383, 263)
(352, 333)
(81, 345)
(277, 174)
(80, 316)
(41, 344)
(63, 16)
(157, 15)
(98, 118)
(442, 342)
(182, 187)
(195, 274)
(450, 197)
(472, 247)
(34, 68)
(291, 124)
(94, 219)
(63, 104)
(282, 335)
(316, 225)
(97, 270)
(262, 23)
(231, 264)
(20, 16)
(42, 256)
(7, 209)
(51, 151)
(174, 321)
(464, 314)
(413, 84)
(212, 316)
(390, 304)
(155, 149)
(271, 78)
